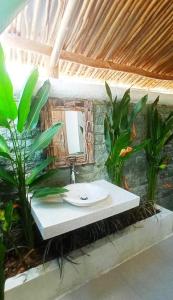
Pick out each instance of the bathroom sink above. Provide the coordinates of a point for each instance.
(85, 194)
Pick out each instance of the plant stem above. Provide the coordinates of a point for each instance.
(10, 238)
(119, 174)
(152, 183)
(19, 170)
(25, 209)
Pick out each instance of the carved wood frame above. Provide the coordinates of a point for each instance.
(51, 114)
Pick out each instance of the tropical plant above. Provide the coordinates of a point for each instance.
(120, 133)
(19, 123)
(159, 133)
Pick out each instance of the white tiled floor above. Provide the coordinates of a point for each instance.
(148, 276)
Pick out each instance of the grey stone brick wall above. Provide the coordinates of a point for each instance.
(135, 168)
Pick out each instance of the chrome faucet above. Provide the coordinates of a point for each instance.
(73, 172)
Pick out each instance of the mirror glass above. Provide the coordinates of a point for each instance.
(75, 131)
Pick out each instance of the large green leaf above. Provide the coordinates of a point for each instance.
(122, 142)
(7, 176)
(44, 139)
(123, 110)
(107, 133)
(120, 116)
(137, 108)
(126, 98)
(168, 124)
(164, 140)
(5, 155)
(46, 191)
(25, 100)
(36, 171)
(49, 175)
(4, 122)
(8, 108)
(3, 145)
(4, 149)
(8, 216)
(136, 148)
(109, 93)
(37, 103)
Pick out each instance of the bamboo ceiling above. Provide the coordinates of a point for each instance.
(124, 41)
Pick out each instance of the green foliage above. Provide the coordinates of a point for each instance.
(159, 133)
(44, 139)
(8, 107)
(7, 176)
(4, 149)
(36, 171)
(19, 122)
(4, 122)
(7, 217)
(3, 145)
(37, 103)
(41, 179)
(46, 191)
(119, 135)
(25, 100)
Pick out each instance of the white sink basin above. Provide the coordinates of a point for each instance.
(85, 194)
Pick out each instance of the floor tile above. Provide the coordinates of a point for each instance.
(148, 276)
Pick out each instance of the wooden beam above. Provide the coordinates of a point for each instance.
(59, 42)
(53, 72)
(105, 64)
(29, 45)
(26, 44)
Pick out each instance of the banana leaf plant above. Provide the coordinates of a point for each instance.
(19, 120)
(119, 131)
(159, 133)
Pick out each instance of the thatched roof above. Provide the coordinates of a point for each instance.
(124, 41)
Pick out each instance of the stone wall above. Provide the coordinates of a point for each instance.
(135, 169)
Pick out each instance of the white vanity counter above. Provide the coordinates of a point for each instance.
(54, 218)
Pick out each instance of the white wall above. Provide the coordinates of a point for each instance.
(84, 89)
(71, 88)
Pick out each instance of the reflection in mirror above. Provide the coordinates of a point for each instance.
(75, 131)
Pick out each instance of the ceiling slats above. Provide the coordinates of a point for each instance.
(128, 42)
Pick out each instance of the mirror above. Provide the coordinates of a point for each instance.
(75, 132)
(76, 136)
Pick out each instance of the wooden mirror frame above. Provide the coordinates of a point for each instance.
(53, 112)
